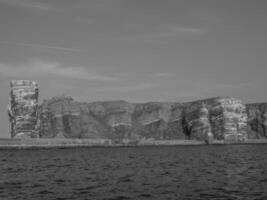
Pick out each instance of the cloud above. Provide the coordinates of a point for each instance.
(44, 46)
(173, 31)
(83, 20)
(163, 74)
(39, 69)
(236, 86)
(127, 88)
(30, 4)
(181, 29)
(159, 34)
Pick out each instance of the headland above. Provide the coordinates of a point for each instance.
(62, 121)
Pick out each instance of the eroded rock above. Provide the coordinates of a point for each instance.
(197, 121)
(22, 108)
(229, 119)
(61, 117)
(218, 118)
(257, 120)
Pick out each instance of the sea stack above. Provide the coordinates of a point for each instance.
(22, 108)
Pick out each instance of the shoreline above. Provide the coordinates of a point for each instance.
(43, 143)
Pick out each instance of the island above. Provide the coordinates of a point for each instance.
(63, 122)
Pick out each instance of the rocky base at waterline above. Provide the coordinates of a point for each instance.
(68, 143)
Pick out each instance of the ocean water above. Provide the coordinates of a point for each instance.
(174, 172)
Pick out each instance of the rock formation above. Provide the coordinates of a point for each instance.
(218, 118)
(257, 120)
(197, 122)
(225, 118)
(22, 108)
(229, 119)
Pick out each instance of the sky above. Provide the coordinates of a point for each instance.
(134, 50)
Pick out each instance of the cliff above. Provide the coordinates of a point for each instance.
(257, 120)
(22, 108)
(218, 118)
(215, 118)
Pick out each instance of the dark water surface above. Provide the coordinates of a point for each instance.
(180, 172)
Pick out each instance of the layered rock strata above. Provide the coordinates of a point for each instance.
(229, 119)
(22, 108)
(257, 120)
(197, 121)
(218, 118)
(225, 119)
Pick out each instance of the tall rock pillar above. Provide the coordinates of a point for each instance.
(22, 108)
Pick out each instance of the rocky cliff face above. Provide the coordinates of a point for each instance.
(257, 120)
(61, 117)
(223, 118)
(22, 108)
(218, 118)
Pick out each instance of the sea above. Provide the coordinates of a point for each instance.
(218, 172)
